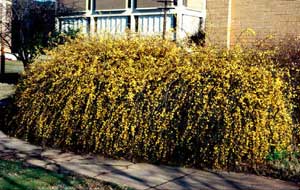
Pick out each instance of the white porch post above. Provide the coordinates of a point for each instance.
(90, 15)
(132, 17)
(179, 13)
(229, 18)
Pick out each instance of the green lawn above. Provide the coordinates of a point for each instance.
(13, 66)
(15, 176)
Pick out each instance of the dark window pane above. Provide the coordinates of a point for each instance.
(73, 5)
(148, 3)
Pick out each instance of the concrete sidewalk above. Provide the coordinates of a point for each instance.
(138, 176)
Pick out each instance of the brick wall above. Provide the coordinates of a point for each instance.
(265, 17)
(216, 21)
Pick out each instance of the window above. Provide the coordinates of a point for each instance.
(110, 4)
(73, 5)
(147, 3)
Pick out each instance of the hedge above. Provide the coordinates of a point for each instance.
(149, 99)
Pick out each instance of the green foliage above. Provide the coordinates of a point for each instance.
(284, 165)
(277, 155)
(144, 98)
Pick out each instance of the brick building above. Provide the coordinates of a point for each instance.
(227, 19)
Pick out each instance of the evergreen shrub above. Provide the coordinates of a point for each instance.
(149, 99)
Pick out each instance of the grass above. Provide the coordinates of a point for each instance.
(15, 176)
(13, 66)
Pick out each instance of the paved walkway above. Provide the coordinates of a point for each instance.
(140, 176)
